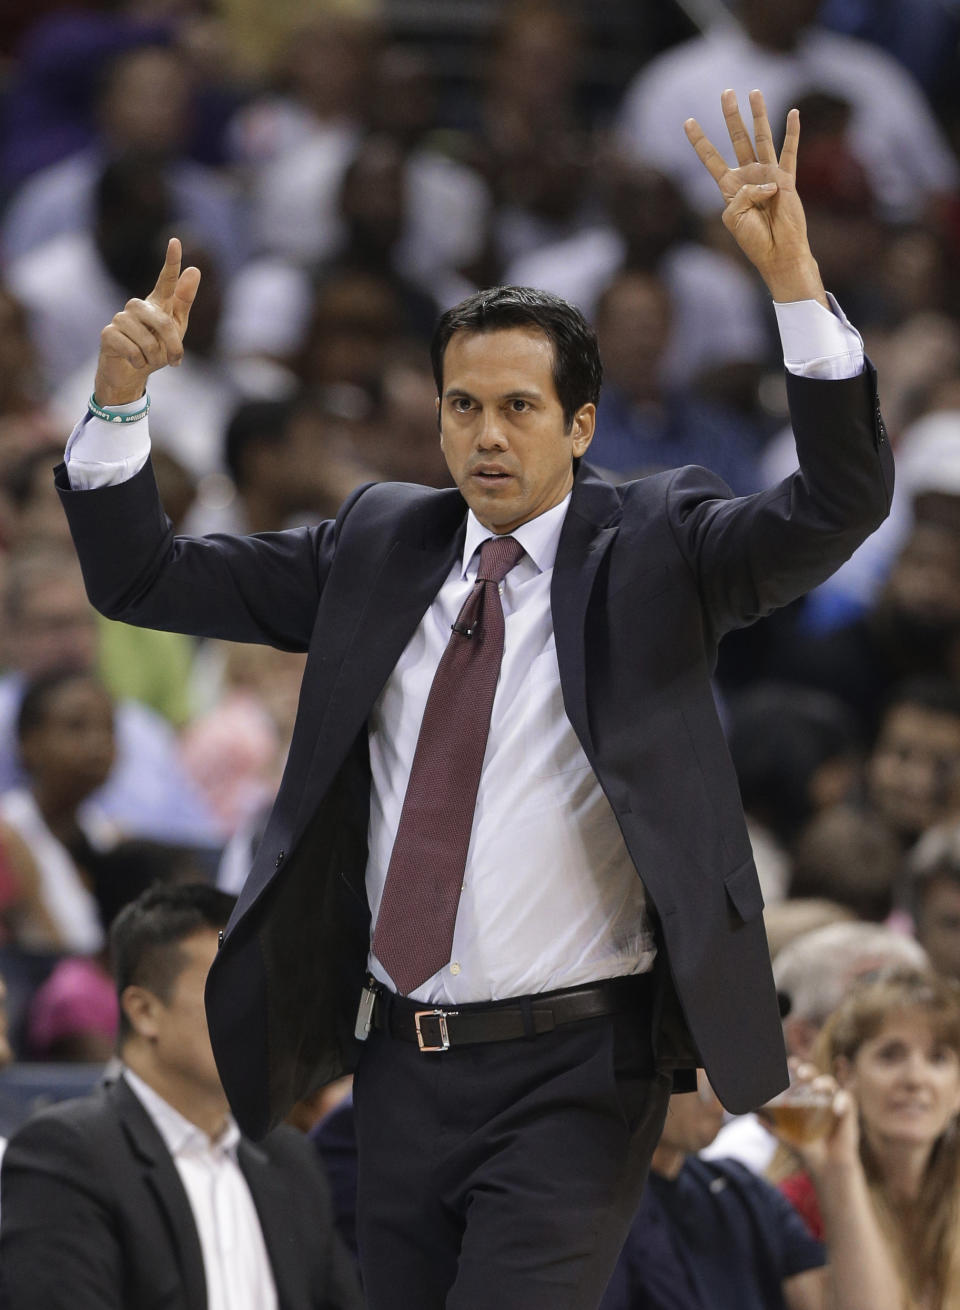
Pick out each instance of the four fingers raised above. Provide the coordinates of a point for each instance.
(759, 150)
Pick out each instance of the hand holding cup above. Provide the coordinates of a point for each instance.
(814, 1118)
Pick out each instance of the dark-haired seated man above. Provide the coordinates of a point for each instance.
(144, 1195)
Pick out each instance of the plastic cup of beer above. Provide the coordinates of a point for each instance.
(800, 1114)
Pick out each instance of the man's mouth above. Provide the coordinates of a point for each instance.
(490, 476)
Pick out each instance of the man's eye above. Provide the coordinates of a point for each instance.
(461, 404)
(519, 406)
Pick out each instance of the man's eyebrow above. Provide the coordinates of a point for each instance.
(518, 393)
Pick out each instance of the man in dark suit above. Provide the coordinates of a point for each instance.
(525, 1000)
(143, 1195)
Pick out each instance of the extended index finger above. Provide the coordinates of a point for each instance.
(162, 293)
(707, 152)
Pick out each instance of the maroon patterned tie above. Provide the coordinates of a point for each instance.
(414, 932)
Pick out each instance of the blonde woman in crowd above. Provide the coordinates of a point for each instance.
(883, 1185)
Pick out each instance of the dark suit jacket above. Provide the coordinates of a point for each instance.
(648, 578)
(95, 1216)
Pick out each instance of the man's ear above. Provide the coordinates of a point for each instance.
(582, 428)
(141, 1008)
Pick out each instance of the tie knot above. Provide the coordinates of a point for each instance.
(497, 557)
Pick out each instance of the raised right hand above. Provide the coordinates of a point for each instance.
(147, 334)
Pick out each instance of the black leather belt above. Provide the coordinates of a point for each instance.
(438, 1028)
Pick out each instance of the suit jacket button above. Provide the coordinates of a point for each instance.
(280, 858)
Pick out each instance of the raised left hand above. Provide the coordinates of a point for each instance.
(763, 211)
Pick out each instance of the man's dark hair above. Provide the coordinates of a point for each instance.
(939, 695)
(133, 210)
(39, 691)
(779, 735)
(255, 422)
(145, 936)
(577, 371)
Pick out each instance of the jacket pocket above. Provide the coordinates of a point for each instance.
(743, 891)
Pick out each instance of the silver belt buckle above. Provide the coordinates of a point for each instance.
(441, 1018)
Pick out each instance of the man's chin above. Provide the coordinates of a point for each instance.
(494, 505)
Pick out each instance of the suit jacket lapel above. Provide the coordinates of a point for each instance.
(150, 1152)
(272, 1201)
(588, 529)
(408, 580)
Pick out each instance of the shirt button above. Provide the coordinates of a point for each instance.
(454, 968)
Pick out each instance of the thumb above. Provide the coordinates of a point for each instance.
(752, 195)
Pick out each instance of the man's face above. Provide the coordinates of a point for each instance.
(938, 925)
(502, 427)
(71, 751)
(56, 625)
(925, 579)
(182, 1043)
(693, 1119)
(914, 772)
(633, 325)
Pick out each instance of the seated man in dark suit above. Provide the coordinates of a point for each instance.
(144, 1195)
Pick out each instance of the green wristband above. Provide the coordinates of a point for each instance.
(99, 412)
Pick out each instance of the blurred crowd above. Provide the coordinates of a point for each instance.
(342, 171)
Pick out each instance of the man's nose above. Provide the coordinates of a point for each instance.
(492, 435)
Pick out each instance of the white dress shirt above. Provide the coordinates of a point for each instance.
(238, 1272)
(550, 896)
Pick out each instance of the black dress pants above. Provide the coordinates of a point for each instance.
(503, 1176)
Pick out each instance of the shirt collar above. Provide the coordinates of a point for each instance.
(539, 537)
(179, 1134)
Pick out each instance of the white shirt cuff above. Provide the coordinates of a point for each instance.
(818, 343)
(102, 454)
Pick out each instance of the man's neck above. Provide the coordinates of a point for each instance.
(205, 1108)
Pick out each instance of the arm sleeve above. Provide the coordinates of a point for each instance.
(102, 454)
(818, 343)
(753, 554)
(798, 1249)
(263, 588)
